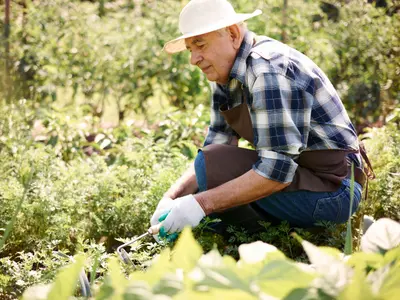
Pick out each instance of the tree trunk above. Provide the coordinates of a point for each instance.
(102, 10)
(284, 21)
(7, 82)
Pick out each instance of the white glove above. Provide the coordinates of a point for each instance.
(185, 211)
(163, 207)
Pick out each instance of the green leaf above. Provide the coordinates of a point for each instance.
(258, 251)
(331, 251)
(297, 294)
(221, 273)
(212, 259)
(278, 278)
(390, 288)
(160, 266)
(115, 283)
(105, 143)
(37, 292)
(348, 246)
(392, 256)
(161, 278)
(186, 252)
(364, 260)
(214, 293)
(96, 264)
(66, 281)
(377, 277)
(319, 256)
(137, 291)
(358, 288)
(10, 225)
(171, 284)
(106, 291)
(335, 274)
(117, 279)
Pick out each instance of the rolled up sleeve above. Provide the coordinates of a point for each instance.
(217, 136)
(275, 166)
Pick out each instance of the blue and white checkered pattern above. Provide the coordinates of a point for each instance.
(292, 104)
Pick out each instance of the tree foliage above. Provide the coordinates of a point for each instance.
(113, 53)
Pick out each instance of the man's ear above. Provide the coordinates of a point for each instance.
(236, 35)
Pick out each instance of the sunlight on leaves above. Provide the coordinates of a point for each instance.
(138, 290)
(117, 278)
(114, 283)
(278, 278)
(37, 292)
(358, 288)
(211, 259)
(390, 288)
(233, 294)
(186, 252)
(377, 277)
(66, 281)
(160, 266)
(221, 272)
(392, 256)
(334, 273)
(364, 260)
(258, 251)
(382, 236)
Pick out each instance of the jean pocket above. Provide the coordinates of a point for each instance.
(331, 208)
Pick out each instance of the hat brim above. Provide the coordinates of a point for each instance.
(178, 44)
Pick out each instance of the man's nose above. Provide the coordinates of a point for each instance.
(195, 58)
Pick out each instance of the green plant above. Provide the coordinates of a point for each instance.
(262, 271)
(70, 205)
(383, 145)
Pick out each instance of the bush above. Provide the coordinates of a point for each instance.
(70, 202)
(77, 53)
(383, 145)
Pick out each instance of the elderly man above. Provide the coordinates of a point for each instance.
(285, 106)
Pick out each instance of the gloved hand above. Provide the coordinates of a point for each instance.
(162, 234)
(163, 207)
(185, 211)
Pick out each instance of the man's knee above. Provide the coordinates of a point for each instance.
(200, 169)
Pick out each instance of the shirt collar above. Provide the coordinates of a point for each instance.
(239, 67)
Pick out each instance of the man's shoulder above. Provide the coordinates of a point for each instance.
(268, 56)
(268, 48)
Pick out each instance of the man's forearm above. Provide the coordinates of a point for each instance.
(242, 190)
(185, 185)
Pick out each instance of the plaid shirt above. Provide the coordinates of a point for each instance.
(292, 104)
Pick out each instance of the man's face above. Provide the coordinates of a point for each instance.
(213, 53)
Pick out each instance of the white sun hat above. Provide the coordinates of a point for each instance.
(203, 16)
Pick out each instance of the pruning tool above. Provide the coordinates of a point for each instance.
(153, 230)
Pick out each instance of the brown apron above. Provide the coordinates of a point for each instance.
(318, 171)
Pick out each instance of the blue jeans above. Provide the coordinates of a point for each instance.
(300, 208)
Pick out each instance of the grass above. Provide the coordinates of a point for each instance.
(10, 224)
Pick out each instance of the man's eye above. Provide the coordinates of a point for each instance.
(201, 46)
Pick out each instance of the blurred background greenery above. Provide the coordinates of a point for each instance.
(106, 56)
(96, 121)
